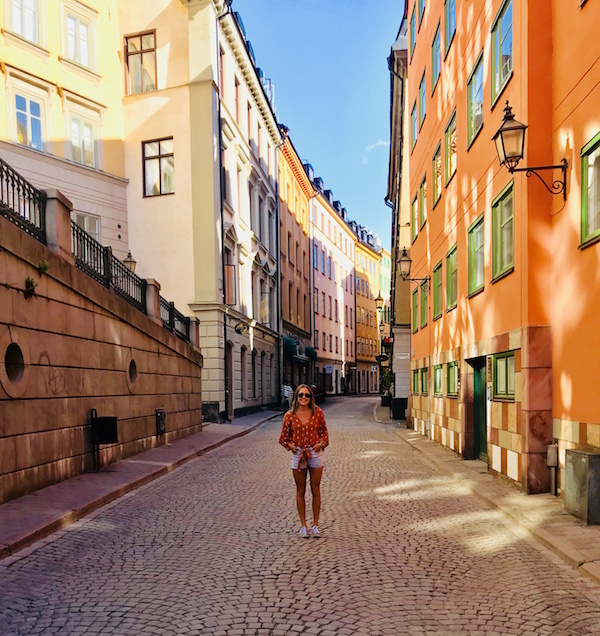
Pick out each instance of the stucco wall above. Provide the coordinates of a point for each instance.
(77, 341)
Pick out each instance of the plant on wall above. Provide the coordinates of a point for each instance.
(30, 286)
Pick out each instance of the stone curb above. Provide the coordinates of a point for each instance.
(568, 554)
(7, 550)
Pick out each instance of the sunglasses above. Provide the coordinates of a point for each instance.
(303, 395)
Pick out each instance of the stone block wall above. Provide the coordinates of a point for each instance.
(74, 346)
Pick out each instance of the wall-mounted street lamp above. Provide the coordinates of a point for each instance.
(510, 144)
(130, 262)
(379, 301)
(405, 265)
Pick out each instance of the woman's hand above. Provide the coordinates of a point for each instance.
(292, 447)
(318, 447)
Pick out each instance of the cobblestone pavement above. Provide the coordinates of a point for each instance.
(211, 549)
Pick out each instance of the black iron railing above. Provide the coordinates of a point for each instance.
(174, 320)
(98, 261)
(21, 203)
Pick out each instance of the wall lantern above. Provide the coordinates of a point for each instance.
(379, 301)
(130, 262)
(510, 144)
(405, 265)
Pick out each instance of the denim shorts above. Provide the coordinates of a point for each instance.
(316, 459)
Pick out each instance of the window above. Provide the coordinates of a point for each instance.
(88, 223)
(330, 308)
(322, 261)
(316, 339)
(476, 263)
(452, 379)
(330, 342)
(413, 32)
(421, 4)
(437, 175)
(422, 101)
(502, 49)
(29, 121)
(423, 305)
(424, 382)
(451, 278)
(336, 345)
(436, 59)
(329, 266)
(159, 167)
(315, 257)
(451, 152)
(423, 202)
(140, 51)
(316, 301)
(415, 218)
(437, 380)
(502, 232)
(590, 190)
(230, 277)
(83, 140)
(78, 34)
(415, 310)
(323, 301)
(475, 101)
(437, 291)
(413, 126)
(449, 22)
(415, 381)
(504, 375)
(25, 19)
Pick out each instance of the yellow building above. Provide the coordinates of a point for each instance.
(62, 123)
(202, 164)
(366, 259)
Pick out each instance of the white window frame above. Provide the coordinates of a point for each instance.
(90, 116)
(86, 218)
(8, 22)
(90, 17)
(17, 85)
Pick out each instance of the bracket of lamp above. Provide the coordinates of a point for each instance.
(423, 282)
(558, 185)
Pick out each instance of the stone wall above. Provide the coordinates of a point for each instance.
(72, 346)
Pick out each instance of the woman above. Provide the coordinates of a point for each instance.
(304, 432)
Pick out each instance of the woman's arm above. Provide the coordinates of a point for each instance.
(322, 430)
(285, 439)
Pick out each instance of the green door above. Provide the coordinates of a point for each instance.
(479, 413)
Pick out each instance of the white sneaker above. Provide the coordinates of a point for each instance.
(315, 532)
(304, 533)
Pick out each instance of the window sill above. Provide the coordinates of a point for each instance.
(437, 81)
(477, 132)
(449, 309)
(449, 45)
(436, 202)
(84, 71)
(453, 396)
(476, 292)
(32, 47)
(437, 317)
(160, 194)
(499, 398)
(589, 241)
(502, 275)
(438, 395)
(499, 95)
(451, 177)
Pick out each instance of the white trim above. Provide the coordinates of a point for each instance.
(86, 115)
(88, 16)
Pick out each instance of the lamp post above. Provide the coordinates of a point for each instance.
(379, 304)
(510, 144)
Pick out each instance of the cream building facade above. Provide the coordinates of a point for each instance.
(201, 155)
(62, 123)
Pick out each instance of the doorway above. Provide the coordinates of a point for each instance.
(479, 409)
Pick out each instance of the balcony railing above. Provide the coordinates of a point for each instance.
(174, 320)
(98, 262)
(21, 203)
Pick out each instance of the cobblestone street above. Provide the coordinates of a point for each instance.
(212, 548)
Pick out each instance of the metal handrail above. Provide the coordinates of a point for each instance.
(21, 203)
(174, 320)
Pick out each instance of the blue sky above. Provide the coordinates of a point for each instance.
(327, 60)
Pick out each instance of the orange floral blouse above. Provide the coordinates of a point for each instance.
(309, 434)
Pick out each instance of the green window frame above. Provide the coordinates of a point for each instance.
(590, 190)
(415, 381)
(504, 375)
(452, 378)
(413, 32)
(414, 218)
(437, 174)
(450, 141)
(475, 101)
(415, 310)
(449, 23)
(424, 381)
(421, 4)
(422, 101)
(437, 290)
(413, 125)
(436, 59)
(503, 232)
(476, 257)
(451, 278)
(502, 49)
(423, 202)
(438, 376)
(424, 305)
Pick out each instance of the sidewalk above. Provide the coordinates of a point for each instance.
(542, 516)
(33, 517)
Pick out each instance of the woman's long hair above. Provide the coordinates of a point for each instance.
(295, 403)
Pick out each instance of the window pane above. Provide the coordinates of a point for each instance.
(511, 375)
(166, 146)
(83, 45)
(149, 70)
(501, 376)
(152, 172)
(135, 74)
(151, 149)
(71, 29)
(593, 192)
(148, 41)
(133, 44)
(36, 133)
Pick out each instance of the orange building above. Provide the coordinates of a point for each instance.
(504, 297)
(295, 192)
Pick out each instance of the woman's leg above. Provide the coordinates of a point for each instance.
(315, 488)
(300, 479)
